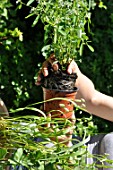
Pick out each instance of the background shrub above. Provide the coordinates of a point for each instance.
(20, 46)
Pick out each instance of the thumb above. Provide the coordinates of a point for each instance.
(72, 67)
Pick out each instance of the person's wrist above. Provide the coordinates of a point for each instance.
(79, 75)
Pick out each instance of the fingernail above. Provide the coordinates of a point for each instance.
(55, 67)
(45, 71)
(39, 78)
(69, 71)
(1, 103)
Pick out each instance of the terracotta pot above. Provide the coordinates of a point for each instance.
(59, 108)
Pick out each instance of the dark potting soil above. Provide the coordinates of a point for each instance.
(59, 80)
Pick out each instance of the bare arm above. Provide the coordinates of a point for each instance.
(96, 103)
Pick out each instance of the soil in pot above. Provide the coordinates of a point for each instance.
(59, 80)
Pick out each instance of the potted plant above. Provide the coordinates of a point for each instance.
(64, 25)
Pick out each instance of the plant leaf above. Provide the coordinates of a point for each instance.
(90, 47)
(61, 31)
(3, 153)
(18, 154)
(12, 162)
(29, 15)
(35, 21)
(30, 2)
(81, 49)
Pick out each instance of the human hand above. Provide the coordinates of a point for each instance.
(51, 61)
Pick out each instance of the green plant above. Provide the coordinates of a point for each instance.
(21, 132)
(18, 136)
(64, 25)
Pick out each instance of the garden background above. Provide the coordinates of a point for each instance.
(21, 58)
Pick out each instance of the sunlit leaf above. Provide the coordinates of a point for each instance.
(90, 47)
(35, 21)
(18, 154)
(81, 49)
(29, 2)
(3, 153)
(29, 15)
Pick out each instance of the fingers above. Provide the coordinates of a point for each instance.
(51, 61)
(45, 68)
(54, 63)
(38, 81)
(72, 67)
(43, 71)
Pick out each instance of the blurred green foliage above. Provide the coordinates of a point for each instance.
(20, 55)
(31, 145)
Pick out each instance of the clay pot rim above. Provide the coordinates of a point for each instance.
(65, 91)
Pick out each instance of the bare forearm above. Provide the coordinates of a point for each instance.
(96, 103)
(101, 105)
